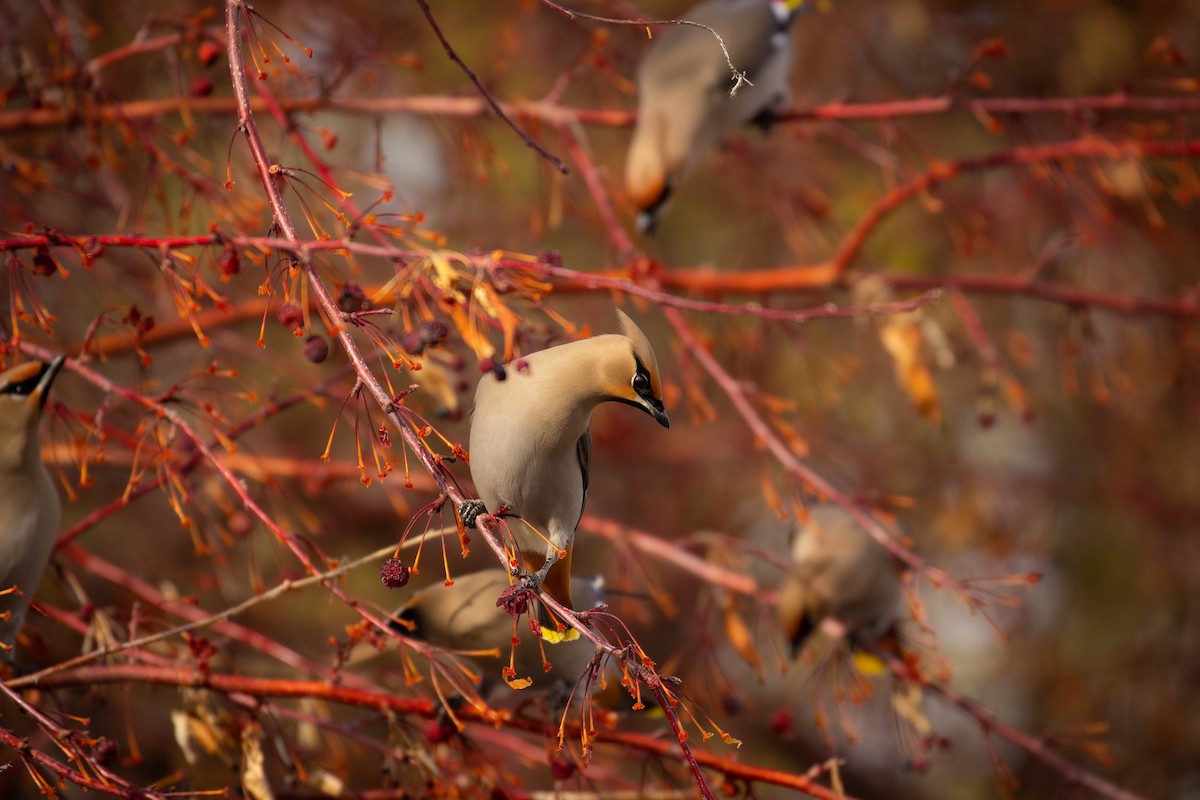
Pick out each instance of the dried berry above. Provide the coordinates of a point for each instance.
(105, 750)
(316, 349)
(352, 298)
(229, 264)
(393, 573)
(412, 343)
(290, 316)
(562, 768)
(200, 86)
(514, 600)
(43, 263)
(433, 332)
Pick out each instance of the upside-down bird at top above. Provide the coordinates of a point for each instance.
(530, 444)
(29, 505)
(840, 572)
(684, 84)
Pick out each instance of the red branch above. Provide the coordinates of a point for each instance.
(466, 107)
(387, 701)
(700, 280)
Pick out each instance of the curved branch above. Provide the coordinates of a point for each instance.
(388, 701)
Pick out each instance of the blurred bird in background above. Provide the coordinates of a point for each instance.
(465, 617)
(530, 445)
(839, 572)
(689, 98)
(29, 504)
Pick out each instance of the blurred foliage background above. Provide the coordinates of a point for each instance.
(1073, 456)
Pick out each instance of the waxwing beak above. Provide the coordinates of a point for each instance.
(46, 378)
(660, 415)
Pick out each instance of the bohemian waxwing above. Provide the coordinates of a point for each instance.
(465, 616)
(684, 83)
(530, 444)
(838, 571)
(29, 505)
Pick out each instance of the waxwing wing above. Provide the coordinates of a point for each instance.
(840, 572)
(530, 444)
(464, 616)
(29, 505)
(684, 83)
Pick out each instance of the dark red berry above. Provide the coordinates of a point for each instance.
(316, 349)
(43, 263)
(229, 264)
(412, 343)
(514, 600)
(393, 573)
(433, 332)
(562, 768)
(105, 750)
(200, 86)
(289, 315)
(352, 298)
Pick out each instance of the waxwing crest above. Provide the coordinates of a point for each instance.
(641, 350)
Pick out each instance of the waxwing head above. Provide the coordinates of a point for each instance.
(638, 384)
(23, 393)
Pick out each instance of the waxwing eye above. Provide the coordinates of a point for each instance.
(22, 389)
(641, 383)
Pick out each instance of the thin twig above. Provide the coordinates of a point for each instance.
(738, 76)
(496, 109)
(232, 611)
(989, 722)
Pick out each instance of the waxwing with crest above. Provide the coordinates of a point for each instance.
(530, 444)
(29, 504)
(684, 83)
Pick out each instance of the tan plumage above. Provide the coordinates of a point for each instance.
(838, 571)
(465, 616)
(29, 505)
(530, 444)
(684, 83)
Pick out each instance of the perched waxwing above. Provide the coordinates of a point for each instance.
(530, 444)
(838, 571)
(29, 505)
(465, 616)
(684, 84)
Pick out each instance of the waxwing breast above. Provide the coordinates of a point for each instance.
(519, 455)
